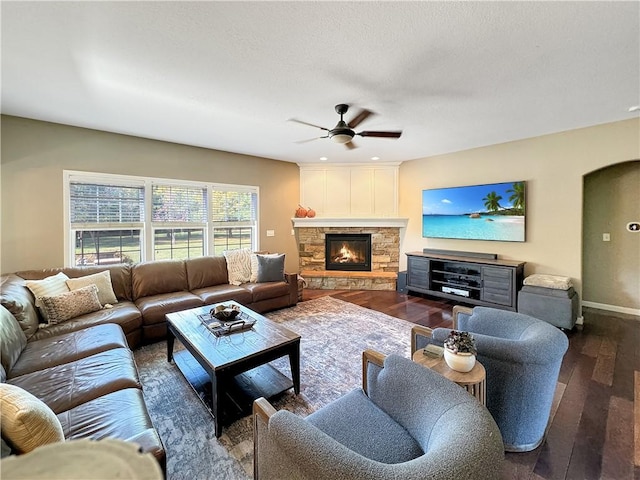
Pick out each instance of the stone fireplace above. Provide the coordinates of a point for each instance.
(382, 273)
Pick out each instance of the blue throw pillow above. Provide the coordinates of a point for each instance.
(270, 268)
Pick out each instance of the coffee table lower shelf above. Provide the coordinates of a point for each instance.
(240, 391)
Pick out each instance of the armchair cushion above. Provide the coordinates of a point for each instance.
(358, 424)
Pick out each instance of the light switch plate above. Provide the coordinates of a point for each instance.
(606, 237)
(271, 233)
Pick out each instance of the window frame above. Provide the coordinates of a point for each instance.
(148, 227)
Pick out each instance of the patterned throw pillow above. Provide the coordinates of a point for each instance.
(238, 265)
(48, 287)
(71, 304)
(101, 280)
(27, 422)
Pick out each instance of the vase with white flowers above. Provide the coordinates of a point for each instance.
(460, 351)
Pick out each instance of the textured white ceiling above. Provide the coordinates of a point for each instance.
(228, 75)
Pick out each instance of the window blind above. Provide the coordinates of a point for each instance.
(179, 204)
(92, 203)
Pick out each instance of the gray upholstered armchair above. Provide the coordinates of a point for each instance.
(407, 422)
(522, 357)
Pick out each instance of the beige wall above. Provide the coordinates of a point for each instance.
(34, 155)
(611, 269)
(553, 167)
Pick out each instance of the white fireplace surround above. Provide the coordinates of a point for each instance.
(350, 222)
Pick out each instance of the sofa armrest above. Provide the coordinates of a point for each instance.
(292, 280)
(420, 337)
(460, 313)
(370, 358)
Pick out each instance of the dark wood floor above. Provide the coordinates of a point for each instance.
(594, 432)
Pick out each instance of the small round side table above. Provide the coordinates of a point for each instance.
(474, 381)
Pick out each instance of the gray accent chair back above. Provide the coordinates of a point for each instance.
(406, 422)
(522, 356)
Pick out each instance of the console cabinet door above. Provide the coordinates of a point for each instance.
(418, 272)
(497, 285)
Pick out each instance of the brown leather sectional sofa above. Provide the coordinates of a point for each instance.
(88, 378)
(146, 292)
(83, 368)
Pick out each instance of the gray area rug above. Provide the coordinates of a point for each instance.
(334, 334)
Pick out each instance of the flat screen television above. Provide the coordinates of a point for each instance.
(494, 211)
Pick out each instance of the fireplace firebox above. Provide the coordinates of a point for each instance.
(348, 251)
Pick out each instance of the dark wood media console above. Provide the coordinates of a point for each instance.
(475, 280)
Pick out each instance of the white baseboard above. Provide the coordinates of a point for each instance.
(612, 308)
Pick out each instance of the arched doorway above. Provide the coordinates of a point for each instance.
(611, 253)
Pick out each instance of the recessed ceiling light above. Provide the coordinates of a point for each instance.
(323, 158)
(635, 108)
(375, 158)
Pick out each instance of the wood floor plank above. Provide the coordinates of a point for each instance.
(557, 449)
(617, 455)
(606, 362)
(591, 347)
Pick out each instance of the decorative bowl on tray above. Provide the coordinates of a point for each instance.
(225, 313)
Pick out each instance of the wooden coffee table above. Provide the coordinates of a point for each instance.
(230, 371)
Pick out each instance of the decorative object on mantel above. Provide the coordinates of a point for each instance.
(460, 351)
(301, 212)
(311, 212)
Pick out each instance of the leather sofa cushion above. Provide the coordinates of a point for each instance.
(155, 307)
(267, 290)
(66, 386)
(157, 277)
(125, 314)
(120, 276)
(121, 414)
(68, 347)
(12, 340)
(17, 298)
(224, 293)
(205, 272)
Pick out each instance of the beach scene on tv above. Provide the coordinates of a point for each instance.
(479, 212)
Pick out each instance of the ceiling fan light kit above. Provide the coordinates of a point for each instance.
(343, 132)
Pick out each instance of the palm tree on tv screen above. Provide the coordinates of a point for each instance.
(517, 197)
(492, 201)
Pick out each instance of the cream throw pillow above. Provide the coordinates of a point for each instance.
(238, 265)
(101, 280)
(26, 421)
(47, 287)
(71, 304)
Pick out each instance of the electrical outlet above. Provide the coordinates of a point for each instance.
(606, 237)
(293, 232)
(271, 233)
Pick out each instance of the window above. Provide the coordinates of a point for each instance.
(106, 222)
(233, 218)
(179, 215)
(116, 218)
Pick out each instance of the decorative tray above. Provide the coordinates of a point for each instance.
(226, 327)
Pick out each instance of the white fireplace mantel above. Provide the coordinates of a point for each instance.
(350, 222)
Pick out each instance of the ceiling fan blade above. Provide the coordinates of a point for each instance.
(350, 145)
(307, 123)
(380, 134)
(360, 117)
(310, 139)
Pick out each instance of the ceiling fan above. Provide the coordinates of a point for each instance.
(343, 132)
